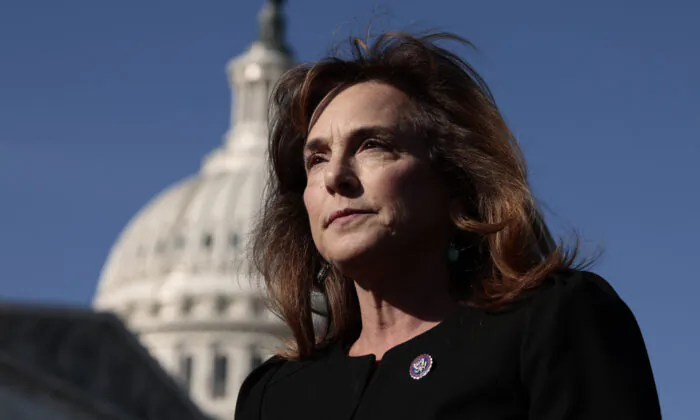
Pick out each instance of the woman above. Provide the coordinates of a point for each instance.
(399, 194)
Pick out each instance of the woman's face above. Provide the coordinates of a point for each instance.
(371, 193)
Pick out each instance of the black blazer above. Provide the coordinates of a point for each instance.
(571, 350)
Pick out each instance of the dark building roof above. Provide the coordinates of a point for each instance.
(89, 358)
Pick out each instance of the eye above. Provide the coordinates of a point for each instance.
(373, 143)
(313, 160)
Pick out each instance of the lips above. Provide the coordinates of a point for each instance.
(345, 212)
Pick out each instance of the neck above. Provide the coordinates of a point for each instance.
(399, 304)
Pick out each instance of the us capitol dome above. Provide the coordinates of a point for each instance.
(177, 274)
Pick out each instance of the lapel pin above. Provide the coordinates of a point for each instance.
(420, 366)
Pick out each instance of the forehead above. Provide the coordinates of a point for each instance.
(363, 104)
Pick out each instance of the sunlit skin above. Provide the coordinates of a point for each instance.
(379, 213)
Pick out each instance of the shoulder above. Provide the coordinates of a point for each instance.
(256, 385)
(576, 306)
(574, 286)
(251, 392)
(564, 302)
(582, 350)
(559, 296)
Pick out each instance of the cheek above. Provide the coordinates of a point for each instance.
(310, 202)
(414, 191)
(313, 202)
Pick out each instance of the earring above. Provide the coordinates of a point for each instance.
(322, 274)
(452, 252)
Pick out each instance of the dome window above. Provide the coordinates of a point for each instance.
(155, 309)
(187, 305)
(222, 304)
(258, 307)
(234, 240)
(208, 241)
(219, 375)
(255, 359)
(185, 371)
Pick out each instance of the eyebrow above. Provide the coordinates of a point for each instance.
(317, 143)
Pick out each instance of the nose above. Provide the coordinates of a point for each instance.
(341, 178)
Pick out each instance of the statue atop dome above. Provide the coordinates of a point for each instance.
(272, 25)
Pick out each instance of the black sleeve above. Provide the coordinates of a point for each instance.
(583, 355)
(252, 390)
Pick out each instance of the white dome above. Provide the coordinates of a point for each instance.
(189, 240)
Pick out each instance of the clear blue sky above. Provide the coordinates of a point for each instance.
(103, 104)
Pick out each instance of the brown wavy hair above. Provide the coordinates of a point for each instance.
(505, 245)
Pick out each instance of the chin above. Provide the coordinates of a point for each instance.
(352, 253)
